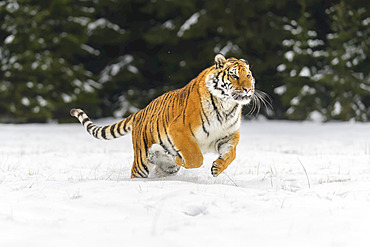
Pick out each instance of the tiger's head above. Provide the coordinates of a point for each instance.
(231, 80)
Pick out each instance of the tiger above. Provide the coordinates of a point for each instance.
(177, 128)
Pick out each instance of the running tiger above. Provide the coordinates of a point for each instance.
(176, 128)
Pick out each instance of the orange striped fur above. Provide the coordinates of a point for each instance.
(175, 129)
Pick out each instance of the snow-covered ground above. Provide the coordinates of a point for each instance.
(61, 187)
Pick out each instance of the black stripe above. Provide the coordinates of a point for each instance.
(134, 170)
(220, 144)
(166, 96)
(158, 133)
(139, 120)
(104, 133)
(124, 126)
(222, 141)
(80, 114)
(145, 168)
(143, 165)
(89, 126)
(95, 130)
(237, 119)
(85, 120)
(191, 131)
(146, 172)
(204, 113)
(203, 126)
(219, 118)
(186, 104)
(232, 111)
(160, 138)
(137, 171)
(146, 141)
(119, 127)
(112, 130)
(167, 118)
(141, 173)
(223, 76)
(137, 163)
(173, 146)
(178, 154)
(189, 90)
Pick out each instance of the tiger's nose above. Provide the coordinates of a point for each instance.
(248, 90)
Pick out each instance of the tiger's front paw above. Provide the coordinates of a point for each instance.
(217, 168)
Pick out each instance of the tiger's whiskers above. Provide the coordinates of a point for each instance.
(260, 99)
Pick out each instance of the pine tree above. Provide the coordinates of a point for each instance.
(164, 44)
(146, 56)
(327, 72)
(41, 75)
(348, 74)
(305, 57)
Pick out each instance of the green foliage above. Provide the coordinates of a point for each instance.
(41, 75)
(328, 72)
(165, 44)
(113, 57)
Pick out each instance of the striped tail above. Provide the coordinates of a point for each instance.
(108, 132)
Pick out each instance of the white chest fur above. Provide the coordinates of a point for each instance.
(219, 120)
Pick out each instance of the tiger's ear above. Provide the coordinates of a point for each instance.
(220, 61)
(244, 61)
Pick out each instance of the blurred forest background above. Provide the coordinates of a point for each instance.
(112, 57)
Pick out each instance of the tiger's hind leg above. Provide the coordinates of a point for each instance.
(140, 169)
(141, 166)
(163, 162)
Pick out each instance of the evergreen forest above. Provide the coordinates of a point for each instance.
(112, 57)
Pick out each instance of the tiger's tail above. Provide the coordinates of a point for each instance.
(108, 132)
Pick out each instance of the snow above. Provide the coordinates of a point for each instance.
(288, 42)
(316, 116)
(280, 90)
(113, 69)
(335, 61)
(9, 39)
(295, 100)
(25, 101)
(337, 109)
(315, 42)
(365, 87)
(227, 48)
(289, 55)
(41, 100)
(169, 25)
(366, 21)
(61, 187)
(307, 90)
(90, 49)
(305, 72)
(312, 33)
(281, 67)
(12, 6)
(189, 22)
(104, 23)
